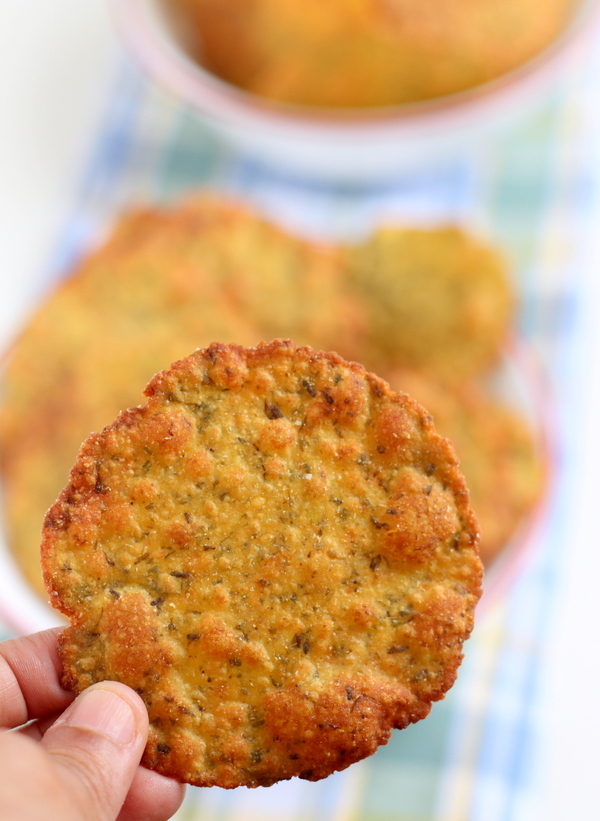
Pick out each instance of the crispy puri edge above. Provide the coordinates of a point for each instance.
(74, 494)
(262, 353)
(473, 394)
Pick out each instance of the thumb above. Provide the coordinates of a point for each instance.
(96, 746)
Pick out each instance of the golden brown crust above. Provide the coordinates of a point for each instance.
(496, 448)
(277, 552)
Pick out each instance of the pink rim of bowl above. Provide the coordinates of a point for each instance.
(150, 39)
(516, 555)
(24, 611)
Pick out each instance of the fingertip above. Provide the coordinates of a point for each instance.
(130, 697)
(152, 797)
(97, 744)
(111, 709)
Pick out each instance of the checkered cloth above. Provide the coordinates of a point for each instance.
(531, 191)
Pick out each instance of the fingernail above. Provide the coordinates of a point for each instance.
(104, 712)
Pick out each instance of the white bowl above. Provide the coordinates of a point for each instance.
(520, 379)
(349, 146)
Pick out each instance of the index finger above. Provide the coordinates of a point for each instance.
(30, 679)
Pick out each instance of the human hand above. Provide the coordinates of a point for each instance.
(78, 759)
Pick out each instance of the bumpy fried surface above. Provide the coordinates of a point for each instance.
(496, 449)
(165, 283)
(277, 552)
(357, 53)
(437, 300)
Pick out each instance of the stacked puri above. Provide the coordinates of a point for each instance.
(430, 310)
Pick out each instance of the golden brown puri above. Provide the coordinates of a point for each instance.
(364, 53)
(166, 282)
(277, 552)
(436, 300)
(496, 449)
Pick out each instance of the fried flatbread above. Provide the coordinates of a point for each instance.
(277, 552)
(437, 300)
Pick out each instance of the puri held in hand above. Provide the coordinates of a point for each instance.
(66, 759)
